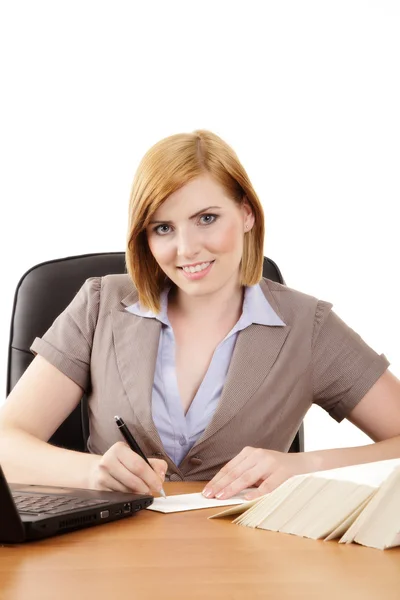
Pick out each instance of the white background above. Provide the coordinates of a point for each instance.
(306, 92)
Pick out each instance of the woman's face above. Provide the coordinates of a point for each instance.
(196, 236)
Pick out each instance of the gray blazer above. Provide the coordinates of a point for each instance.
(275, 374)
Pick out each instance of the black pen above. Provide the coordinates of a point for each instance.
(133, 445)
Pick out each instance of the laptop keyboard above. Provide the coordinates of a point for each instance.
(52, 505)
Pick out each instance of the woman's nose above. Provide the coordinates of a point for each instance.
(187, 244)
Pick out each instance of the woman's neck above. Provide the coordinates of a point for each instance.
(224, 304)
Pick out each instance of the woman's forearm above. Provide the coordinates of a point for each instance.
(26, 459)
(320, 460)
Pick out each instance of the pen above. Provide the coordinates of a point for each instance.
(133, 445)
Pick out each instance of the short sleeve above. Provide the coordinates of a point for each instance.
(344, 367)
(67, 344)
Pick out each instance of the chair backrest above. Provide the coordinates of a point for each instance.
(42, 294)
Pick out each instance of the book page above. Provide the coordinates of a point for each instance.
(373, 507)
(183, 502)
(271, 502)
(383, 516)
(345, 525)
(236, 510)
(373, 474)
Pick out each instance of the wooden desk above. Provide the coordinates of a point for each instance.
(153, 556)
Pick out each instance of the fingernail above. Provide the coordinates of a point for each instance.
(207, 493)
(219, 495)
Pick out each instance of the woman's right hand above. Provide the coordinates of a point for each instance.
(122, 470)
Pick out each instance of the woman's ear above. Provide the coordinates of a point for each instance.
(248, 215)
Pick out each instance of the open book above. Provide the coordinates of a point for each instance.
(359, 504)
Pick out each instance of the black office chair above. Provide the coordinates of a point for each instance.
(41, 295)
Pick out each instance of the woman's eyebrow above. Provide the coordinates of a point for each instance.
(203, 210)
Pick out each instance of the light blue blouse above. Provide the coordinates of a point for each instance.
(178, 432)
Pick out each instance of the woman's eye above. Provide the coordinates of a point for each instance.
(162, 229)
(208, 219)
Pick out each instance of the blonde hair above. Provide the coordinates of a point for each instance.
(167, 166)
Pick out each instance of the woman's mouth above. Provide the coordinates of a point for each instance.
(198, 271)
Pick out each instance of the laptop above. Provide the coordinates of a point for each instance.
(31, 512)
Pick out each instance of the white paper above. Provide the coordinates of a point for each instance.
(183, 502)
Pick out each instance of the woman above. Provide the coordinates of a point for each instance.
(212, 367)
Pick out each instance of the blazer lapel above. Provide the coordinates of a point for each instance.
(256, 350)
(136, 344)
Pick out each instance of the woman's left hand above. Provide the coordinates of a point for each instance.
(264, 469)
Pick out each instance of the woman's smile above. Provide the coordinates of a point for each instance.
(197, 271)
